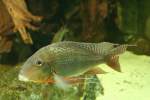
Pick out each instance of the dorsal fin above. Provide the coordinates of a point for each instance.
(98, 48)
(95, 48)
(105, 47)
(118, 50)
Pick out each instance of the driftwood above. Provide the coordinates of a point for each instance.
(6, 26)
(21, 18)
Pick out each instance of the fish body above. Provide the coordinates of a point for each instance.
(70, 59)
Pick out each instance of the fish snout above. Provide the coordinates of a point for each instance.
(22, 78)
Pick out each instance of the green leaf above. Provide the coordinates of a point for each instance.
(60, 34)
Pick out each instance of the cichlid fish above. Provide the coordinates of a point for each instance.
(70, 60)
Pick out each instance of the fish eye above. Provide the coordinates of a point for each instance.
(39, 63)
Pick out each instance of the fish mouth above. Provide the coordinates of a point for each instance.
(23, 78)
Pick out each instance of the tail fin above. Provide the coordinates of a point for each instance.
(112, 58)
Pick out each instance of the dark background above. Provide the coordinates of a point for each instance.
(117, 21)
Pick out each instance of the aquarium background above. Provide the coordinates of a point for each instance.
(28, 25)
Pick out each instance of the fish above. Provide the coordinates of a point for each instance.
(67, 61)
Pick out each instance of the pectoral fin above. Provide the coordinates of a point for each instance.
(60, 82)
(65, 82)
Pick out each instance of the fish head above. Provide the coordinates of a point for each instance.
(36, 68)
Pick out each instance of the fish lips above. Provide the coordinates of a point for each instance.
(22, 78)
(32, 74)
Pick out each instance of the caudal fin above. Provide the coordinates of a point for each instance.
(113, 57)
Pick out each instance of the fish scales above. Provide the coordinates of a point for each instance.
(78, 56)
